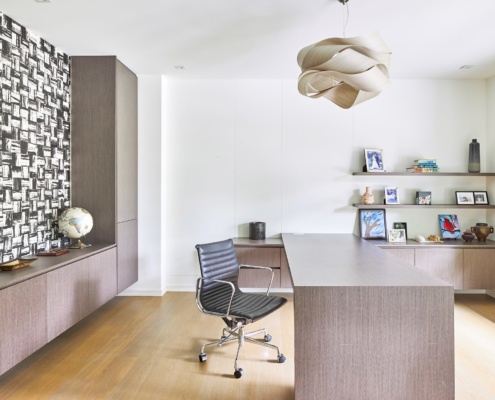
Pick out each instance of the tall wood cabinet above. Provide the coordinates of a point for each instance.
(104, 155)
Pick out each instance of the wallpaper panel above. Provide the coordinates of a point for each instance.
(35, 141)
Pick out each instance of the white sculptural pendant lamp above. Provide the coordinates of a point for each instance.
(346, 71)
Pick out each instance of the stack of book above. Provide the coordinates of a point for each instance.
(424, 165)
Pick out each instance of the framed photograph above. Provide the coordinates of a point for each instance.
(391, 195)
(423, 198)
(372, 224)
(400, 225)
(396, 235)
(449, 226)
(464, 197)
(480, 198)
(374, 160)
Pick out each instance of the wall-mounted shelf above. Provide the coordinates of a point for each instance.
(423, 174)
(423, 207)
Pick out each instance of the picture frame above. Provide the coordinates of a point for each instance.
(391, 195)
(449, 226)
(372, 224)
(464, 198)
(400, 225)
(481, 198)
(423, 198)
(397, 236)
(374, 160)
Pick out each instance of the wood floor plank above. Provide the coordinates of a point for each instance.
(147, 348)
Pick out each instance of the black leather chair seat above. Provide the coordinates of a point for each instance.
(249, 306)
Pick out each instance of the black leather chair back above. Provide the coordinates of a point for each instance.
(218, 261)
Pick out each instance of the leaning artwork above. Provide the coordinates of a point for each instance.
(449, 226)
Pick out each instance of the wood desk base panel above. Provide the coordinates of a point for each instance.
(374, 343)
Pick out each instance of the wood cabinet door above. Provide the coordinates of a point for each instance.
(22, 321)
(67, 297)
(102, 274)
(446, 264)
(479, 269)
(264, 257)
(127, 254)
(404, 254)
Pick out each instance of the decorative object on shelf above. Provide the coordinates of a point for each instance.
(482, 230)
(433, 238)
(481, 198)
(367, 197)
(465, 198)
(449, 226)
(396, 235)
(75, 223)
(423, 198)
(53, 253)
(468, 236)
(346, 71)
(391, 195)
(257, 230)
(474, 157)
(424, 165)
(400, 225)
(17, 263)
(372, 224)
(419, 238)
(374, 160)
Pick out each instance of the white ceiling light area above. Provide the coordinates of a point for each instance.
(260, 39)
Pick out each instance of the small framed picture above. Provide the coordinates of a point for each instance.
(400, 225)
(396, 235)
(449, 226)
(372, 224)
(423, 198)
(391, 195)
(480, 198)
(464, 198)
(374, 160)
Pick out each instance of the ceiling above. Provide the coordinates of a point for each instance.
(260, 39)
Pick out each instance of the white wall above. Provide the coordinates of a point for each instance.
(241, 151)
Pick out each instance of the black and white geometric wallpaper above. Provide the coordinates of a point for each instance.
(35, 141)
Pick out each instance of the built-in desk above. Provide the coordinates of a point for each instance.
(367, 324)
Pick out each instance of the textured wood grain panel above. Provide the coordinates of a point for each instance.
(264, 257)
(446, 264)
(127, 143)
(374, 343)
(93, 142)
(285, 278)
(22, 320)
(67, 298)
(404, 254)
(127, 254)
(102, 278)
(479, 269)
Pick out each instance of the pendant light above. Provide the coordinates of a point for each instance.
(346, 71)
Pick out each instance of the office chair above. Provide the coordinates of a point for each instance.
(218, 294)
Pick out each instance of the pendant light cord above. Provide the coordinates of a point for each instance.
(345, 17)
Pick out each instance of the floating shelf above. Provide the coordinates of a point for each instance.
(423, 174)
(423, 207)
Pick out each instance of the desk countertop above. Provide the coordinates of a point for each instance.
(347, 260)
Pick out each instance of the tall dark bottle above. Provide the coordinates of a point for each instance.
(474, 157)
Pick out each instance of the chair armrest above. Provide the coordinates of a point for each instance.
(259, 267)
(199, 285)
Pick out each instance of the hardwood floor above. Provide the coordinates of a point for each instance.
(147, 348)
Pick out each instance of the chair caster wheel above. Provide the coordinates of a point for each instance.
(268, 338)
(281, 359)
(202, 357)
(238, 373)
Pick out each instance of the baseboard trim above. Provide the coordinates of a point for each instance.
(470, 291)
(491, 293)
(130, 292)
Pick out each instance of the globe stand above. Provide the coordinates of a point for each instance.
(79, 245)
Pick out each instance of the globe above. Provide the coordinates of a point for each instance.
(74, 223)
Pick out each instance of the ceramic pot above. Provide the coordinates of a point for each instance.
(468, 236)
(367, 197)
(482, 230)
